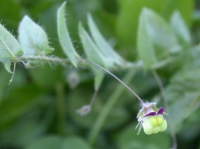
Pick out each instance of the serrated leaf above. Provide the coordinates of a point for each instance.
(161, 34)
(64, 37)
(144, 43)
(9, 48)
(33, 39)
(103, 46)
(180, 29)
(93, 55)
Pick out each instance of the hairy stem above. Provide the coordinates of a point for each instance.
(108, 107)
(66, 62)
(158, 80)
(83, 63)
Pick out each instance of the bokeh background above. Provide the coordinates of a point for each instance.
(38, 110)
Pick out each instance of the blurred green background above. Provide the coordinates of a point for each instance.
(38, 110)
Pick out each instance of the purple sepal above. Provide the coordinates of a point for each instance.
(150, 114)
(160, 111)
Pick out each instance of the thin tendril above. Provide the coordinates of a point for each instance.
(141, 101)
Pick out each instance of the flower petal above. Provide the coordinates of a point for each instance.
(153, 121)
(150, 114)
(163, 126)
(147, 127)
(160, 111)
(160, 120)
(156, 129)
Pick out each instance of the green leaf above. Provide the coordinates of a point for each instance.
(144, 43)
(180, 29)
(33, 39)
(128, 19)
(161, 34)
(156, 40)
(183, 90)
(7, 66)
(9, 48)
(93, 55)
(129, 11)
(103, 46)
(64, 37)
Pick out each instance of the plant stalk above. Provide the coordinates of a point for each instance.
(158, 80)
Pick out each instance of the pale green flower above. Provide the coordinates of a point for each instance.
(151, 119)
(153, 124)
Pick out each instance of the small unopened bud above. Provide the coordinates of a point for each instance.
(73, 79)
(84, 110)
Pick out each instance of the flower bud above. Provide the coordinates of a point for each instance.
(84, 110)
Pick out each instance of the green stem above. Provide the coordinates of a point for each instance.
(66, 62)
(61, 109)
(108, 107)
(158, 80)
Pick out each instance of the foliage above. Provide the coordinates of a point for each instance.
(53, 78)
